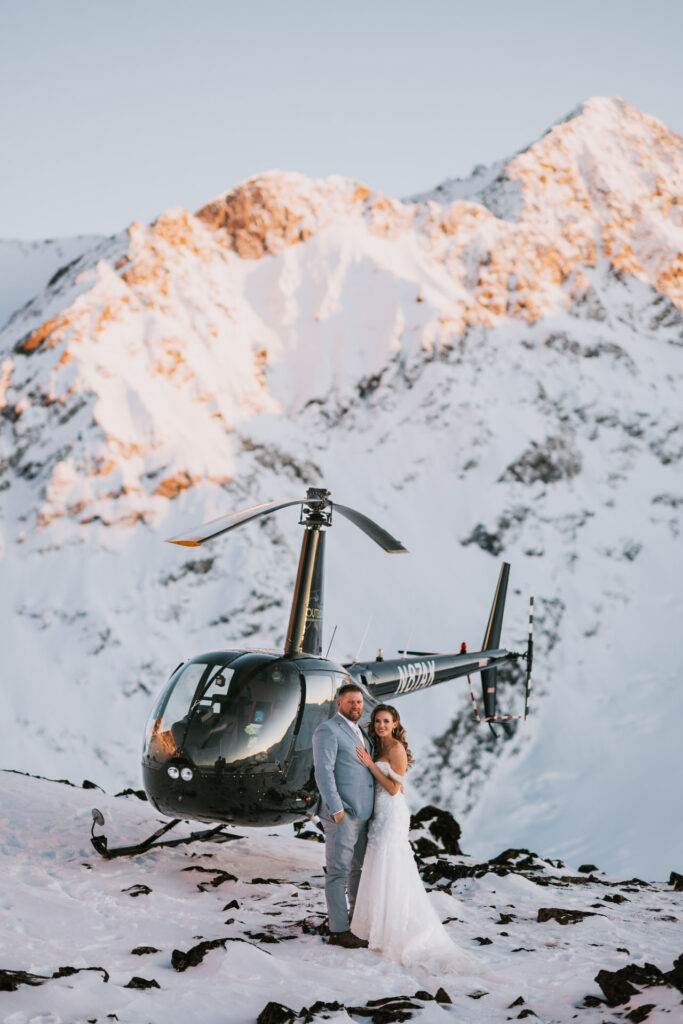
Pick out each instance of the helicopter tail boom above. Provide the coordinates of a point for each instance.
(398, 676)
(418, 670)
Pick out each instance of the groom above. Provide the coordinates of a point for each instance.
(348, 793)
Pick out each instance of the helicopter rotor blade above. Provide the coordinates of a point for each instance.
(375, 532)
(206, 531)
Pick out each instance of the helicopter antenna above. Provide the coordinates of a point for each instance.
(529, 653)
(362, 641)
(327, 653)
(404, 653)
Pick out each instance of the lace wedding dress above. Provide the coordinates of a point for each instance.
(392, 910)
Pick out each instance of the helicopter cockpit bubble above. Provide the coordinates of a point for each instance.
(217, 714)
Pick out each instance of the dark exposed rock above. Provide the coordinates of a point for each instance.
(139, 793)
(526, 1013)
(592, 1001)
(268, 937)
(442, 826)
(563, 916)
(138, 890)
(619, 986)
(66, 972)
(675, 975)
(318, 1006)
(276, 1013)
(548, 462)
(640, 1013)
(136, 982)
(490, 542)
(181, 961)
(218, 877)
(616, 988)
(586, 869)
(677, 881)
(144, 950)
(616, 898)
(386, 1010)
(424, 847)
(483, 940)
(11, 980)
(518, 1002)
(307, 830)
(442, 996)
(394, 1000)
(477, 995)
(232, 905)
(513, 855)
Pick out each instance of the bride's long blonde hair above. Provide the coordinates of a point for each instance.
(398, 732)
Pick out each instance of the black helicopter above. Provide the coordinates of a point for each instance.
(230, 738)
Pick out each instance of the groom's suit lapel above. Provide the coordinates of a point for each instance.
(348, 732)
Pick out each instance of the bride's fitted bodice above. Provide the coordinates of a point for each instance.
(390, 821)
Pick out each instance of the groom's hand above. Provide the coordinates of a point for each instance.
(336, 818)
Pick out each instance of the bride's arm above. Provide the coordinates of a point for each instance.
(392, 787)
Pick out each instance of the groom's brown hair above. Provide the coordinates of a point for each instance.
(348, 688)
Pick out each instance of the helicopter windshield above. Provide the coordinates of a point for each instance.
(216, 715)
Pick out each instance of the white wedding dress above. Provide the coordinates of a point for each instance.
(392, 910)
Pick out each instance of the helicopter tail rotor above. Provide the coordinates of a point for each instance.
(529, 655)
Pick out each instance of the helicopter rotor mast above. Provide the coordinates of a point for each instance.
(304, 632)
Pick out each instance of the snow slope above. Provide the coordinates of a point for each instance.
(491, 377)
(116, 921)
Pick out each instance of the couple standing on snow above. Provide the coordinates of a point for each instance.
(368, 857)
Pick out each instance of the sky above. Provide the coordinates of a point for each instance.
(115, 111)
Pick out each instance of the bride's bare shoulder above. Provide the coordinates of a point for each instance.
(398, 759)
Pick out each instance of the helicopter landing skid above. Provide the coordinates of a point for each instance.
(102, 846)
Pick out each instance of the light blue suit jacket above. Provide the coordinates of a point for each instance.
(342, 779)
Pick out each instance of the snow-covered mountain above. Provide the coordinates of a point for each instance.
(492, 371)
(27, 268)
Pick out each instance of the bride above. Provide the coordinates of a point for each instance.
(392, 910)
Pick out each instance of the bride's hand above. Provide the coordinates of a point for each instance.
(364, 756)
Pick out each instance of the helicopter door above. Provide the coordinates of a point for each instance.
(320, 689)
(319, 706)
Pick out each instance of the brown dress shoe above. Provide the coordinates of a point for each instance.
(348, 940)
